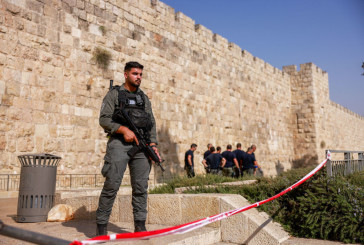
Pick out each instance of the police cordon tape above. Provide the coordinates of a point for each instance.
(179, 229)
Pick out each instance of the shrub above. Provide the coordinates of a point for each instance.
(102, 58)
(357, 179)
(326, 208)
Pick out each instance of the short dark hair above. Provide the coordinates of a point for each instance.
(193, 145)
(212, 149)
(218, 148)
(132, 64)
(238, 145)
(229, 147)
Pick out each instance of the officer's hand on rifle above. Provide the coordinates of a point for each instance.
(129, 135)
(154, 146)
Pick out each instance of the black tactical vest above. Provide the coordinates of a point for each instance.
(134, 105)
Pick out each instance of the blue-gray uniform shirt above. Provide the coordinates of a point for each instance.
(107, 109)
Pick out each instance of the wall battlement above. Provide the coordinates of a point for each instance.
(303, 67)
(346, 110)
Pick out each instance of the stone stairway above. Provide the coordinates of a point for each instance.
(168, 210)
(84, 229)
(202, 236)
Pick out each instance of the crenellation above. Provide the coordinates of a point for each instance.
(247, 56)
(340, 107)
(290, 69)
(204, 32)
(185, 20)
(234, 49)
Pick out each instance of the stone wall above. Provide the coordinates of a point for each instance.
(202, 87)
(320, 123)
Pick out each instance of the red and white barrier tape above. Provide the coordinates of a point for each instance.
(179, 229)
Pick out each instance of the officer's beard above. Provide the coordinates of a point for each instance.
(135, 85)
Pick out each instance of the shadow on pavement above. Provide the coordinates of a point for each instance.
(85, 223)
(88, 227)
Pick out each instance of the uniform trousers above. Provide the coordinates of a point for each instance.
(116, 161)
(228, 171)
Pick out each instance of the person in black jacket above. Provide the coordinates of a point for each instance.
(239, 153)
(205, 155)
(249, 162)
(214, 161)
(208, 152)
(189, 165)
(231, 162)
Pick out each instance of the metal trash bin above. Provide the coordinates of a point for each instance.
(37, 186)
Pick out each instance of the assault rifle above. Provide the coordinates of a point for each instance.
(143, 145)
(111, 84)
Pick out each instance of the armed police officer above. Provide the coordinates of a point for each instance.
(130, 98)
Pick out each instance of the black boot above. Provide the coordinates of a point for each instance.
(101, 230)
(139, 225)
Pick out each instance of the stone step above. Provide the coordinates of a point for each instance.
(201, 236)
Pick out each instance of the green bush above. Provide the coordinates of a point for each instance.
(326, 208)
(322, 207)
(357, 179)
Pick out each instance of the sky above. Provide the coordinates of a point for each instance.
(328, 33)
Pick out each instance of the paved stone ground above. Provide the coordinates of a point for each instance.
(79, 230)
(82, 230)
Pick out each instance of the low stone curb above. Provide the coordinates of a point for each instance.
(236, 183)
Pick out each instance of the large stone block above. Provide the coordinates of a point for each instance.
(164, 209)
(249, 227)
(41, 130)
(125, 209)
(198, 207)
(82, 206)
(35, 6)
(70, 20)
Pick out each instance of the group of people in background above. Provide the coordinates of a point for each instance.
(231, 163)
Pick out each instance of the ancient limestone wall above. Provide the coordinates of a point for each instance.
(202, 88)
(320, 123)
(342, 129)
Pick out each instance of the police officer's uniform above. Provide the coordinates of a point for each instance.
(116, 157)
